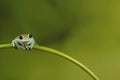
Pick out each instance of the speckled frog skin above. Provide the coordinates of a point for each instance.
(24, 41)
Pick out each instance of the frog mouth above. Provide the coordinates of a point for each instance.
(24, 44)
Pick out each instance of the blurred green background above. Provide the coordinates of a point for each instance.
(88, 30)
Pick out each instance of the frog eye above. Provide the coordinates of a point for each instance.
(30, 35)
(20, 37)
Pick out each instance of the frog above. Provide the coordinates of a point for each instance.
(24, 41)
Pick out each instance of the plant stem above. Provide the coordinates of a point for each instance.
(61, 54)
(6, 46)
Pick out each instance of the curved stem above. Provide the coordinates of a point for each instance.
(6, 46)
(61, 54)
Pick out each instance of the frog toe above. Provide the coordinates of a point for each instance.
(28, 48)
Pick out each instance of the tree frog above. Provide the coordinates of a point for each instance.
(24, 41)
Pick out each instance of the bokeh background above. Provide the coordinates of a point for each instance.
(88, 30)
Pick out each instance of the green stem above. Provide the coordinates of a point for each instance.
(61, 54)
(6, 46)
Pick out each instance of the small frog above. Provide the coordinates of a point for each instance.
(24, 41)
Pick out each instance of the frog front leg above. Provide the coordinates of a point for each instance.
(17, 44)
(28, 48)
